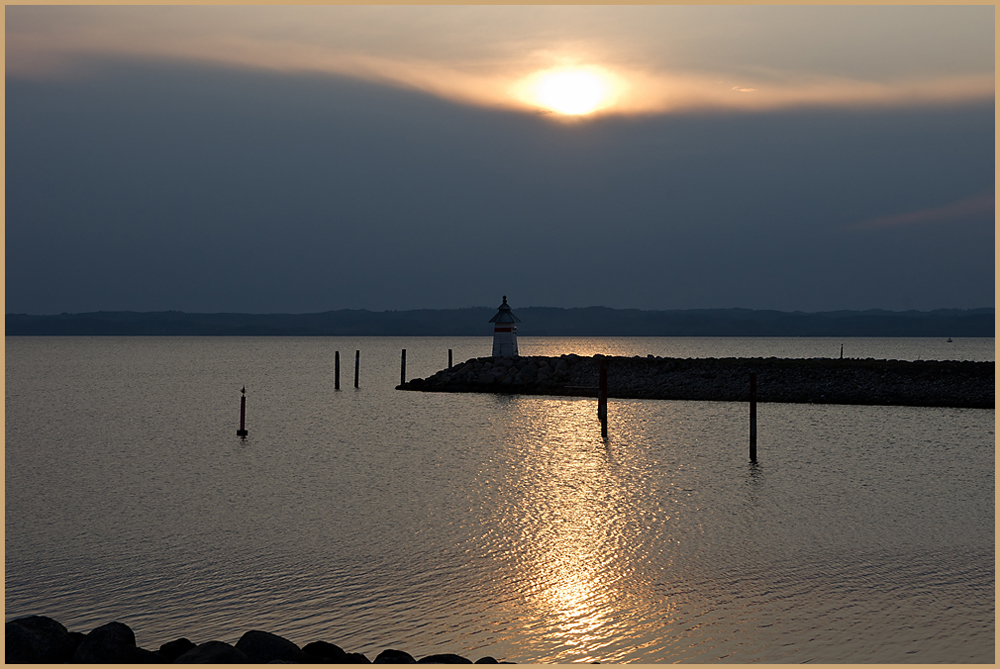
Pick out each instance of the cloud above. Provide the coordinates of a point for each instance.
(970, 207)
(131, 190)
(484, 55)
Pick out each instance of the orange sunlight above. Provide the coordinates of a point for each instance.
(571, 91)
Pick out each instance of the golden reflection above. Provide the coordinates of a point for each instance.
(573, 526)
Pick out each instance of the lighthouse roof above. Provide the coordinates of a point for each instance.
(504, 314)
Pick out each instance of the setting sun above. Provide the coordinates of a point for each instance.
(570, 91)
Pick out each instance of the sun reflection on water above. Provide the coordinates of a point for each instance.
(503, 526)
(664, 543)
(570, 524)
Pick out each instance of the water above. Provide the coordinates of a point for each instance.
(486, 524)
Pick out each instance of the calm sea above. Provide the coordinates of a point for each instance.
(486, 524)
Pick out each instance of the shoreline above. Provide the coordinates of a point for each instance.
(43, 640)
(852, 381)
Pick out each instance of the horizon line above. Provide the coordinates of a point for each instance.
(386, 311)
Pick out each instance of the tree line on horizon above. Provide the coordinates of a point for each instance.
(535, 321)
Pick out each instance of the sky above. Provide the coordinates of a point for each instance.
(299, 159)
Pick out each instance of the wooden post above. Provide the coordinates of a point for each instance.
(336, 370)
(402, 368)
(753, 417)
(242, 432)
(602, 395)
(449, 358)
(357, 364)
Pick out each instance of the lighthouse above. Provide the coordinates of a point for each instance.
(504, 332)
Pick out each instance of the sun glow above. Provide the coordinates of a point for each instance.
(570, 91)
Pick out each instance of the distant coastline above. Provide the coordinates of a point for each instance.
(535, 321)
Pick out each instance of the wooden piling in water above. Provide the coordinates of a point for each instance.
(753, 417)
(402, 368)
(357, 364)
(602, 395)
(242, 432)
(449, 358)
(336, 370)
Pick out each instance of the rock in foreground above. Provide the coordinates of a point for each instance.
(37, 639)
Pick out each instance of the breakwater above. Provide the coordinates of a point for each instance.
(928, 383)
(39, 639)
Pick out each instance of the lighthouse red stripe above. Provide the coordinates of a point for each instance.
(500, 329)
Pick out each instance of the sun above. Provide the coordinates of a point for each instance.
(570, 91)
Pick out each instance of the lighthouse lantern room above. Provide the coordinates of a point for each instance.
(504, 332)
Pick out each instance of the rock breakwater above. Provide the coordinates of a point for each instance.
(38, 639)
(928, 383)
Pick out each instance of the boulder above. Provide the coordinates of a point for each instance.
(105, 644)
(327, 652)
(21, 645)
(77, 638)
(444, 658)
(391, 656)
(356, 658)
(263, 647)
(213, 652)
(174, 649)
(489, 659)
(135, 655)
(40, 637)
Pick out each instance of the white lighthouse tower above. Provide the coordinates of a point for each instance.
(504, 332)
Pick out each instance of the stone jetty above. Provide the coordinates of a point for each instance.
(925, 383)
(42, 640)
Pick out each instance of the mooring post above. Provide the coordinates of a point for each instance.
(357, 364)
(336, 370)
(602, 395)
(402, 368)
(753, 417)
(449, 358)
(242, 432)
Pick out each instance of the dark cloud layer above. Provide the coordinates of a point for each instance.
(150, 187)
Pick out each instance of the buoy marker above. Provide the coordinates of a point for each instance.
(753, 417)
(242, 432)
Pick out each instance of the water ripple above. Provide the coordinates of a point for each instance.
(485, 524)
